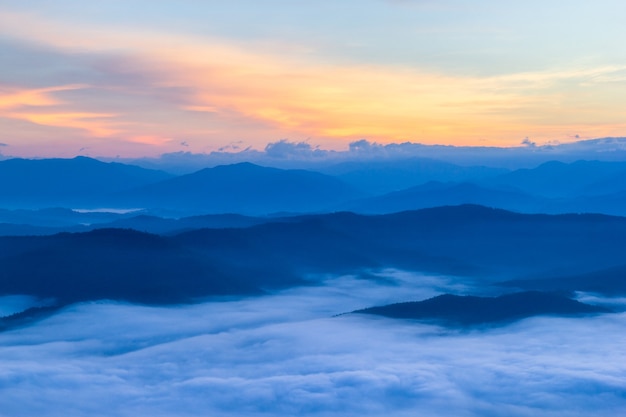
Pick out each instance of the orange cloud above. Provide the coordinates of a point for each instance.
(39, 106)
(14, 98)
(94, 123)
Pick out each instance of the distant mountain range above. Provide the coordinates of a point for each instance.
(560, 180)
(383, 176)
(252, 190)
(242, 188)
(434, 194)
(26, 183)
(53, 221)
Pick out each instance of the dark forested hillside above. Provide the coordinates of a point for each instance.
(466, 241)
(468, 310)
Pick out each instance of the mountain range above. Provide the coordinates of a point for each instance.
(467, 241)
(36, 183)
(244, 188)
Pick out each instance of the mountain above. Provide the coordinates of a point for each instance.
(57, 220)
(384, 176)
(466, 241)
(454, 310)
(461, 240)
(158, 225)
(612, 204)
(435, 194)
(27, 317)
(59, 217)
(611, 184)
(242, 188)
(558, 179)
(12, 229)
(118, 264)
(81, 181)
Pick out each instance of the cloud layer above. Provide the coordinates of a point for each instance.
(286, 354)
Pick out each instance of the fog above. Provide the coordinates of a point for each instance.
(291, 353)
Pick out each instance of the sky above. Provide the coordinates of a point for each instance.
(141, 78)
(288, 354)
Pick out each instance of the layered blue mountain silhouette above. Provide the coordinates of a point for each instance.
(561, 180)
(384, 176)
(243, 188)
(433, 194)
(52, 221)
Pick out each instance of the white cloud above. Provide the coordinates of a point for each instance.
(289, 154)
(286, 354)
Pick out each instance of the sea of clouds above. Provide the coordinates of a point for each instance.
(293, 353)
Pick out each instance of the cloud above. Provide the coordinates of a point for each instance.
(284, 149)
(285, 354)
(41, 106)
(304, 155)
(96, 124)
(14, 98)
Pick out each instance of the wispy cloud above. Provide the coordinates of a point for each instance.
(42, 106)
(13, 98)
(93, 123)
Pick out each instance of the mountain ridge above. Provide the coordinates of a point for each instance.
(455, 310)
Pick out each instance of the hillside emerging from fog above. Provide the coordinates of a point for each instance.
(470, 311)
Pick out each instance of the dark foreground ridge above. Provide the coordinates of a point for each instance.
(454, 310)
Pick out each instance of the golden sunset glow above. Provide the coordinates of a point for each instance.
(150, 86)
